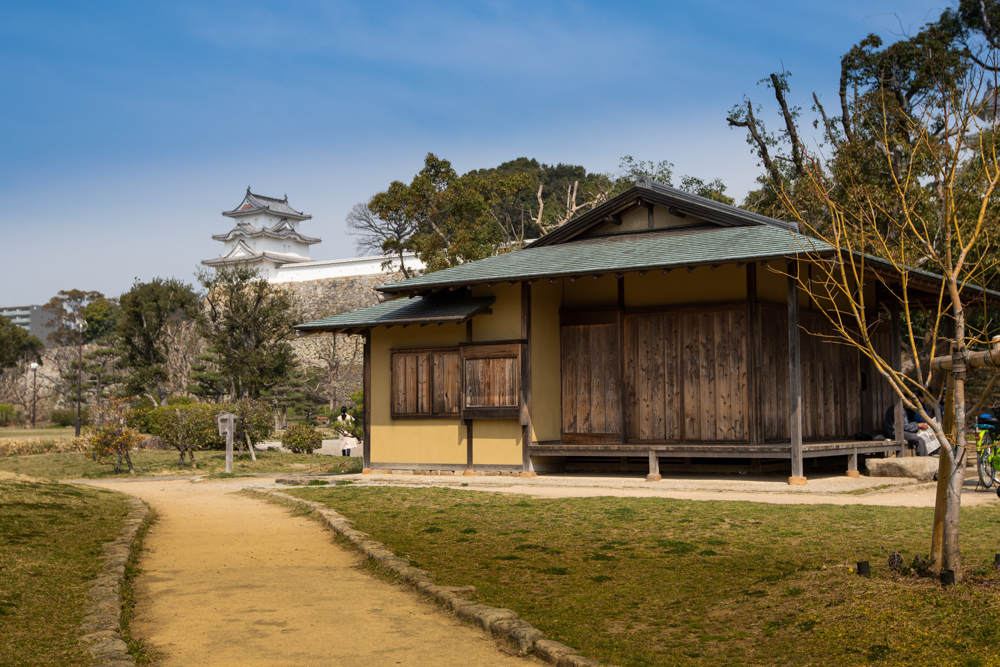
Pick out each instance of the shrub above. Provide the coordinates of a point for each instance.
(67, 417)
(302, 438)
(28, 446)
(113, 439)
(8, 414)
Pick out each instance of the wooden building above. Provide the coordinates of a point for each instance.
(659, 325)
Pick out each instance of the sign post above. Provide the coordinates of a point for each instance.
(227, 426)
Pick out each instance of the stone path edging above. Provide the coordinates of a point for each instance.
(101, 628)
(501, 623)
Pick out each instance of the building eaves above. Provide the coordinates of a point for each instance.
(253, 204)
(631, 252)
(422, 310)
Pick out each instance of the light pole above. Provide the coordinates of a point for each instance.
(81, 326)
(34, 390)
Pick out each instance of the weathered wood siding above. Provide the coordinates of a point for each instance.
(591, 380)
(492, 382)
(878, 394)
(686, 376)
(832, 397)
(447, 382)
(411, 389)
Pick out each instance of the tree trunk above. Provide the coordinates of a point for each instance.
(253, 457)
(128, 459)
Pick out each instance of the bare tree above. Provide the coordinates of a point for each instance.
(381, 236)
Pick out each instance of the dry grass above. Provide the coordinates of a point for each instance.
(50, 549)
(80, 466)
(669, 582)
(29, 446)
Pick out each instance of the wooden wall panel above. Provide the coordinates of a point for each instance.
(411, 383)
(878, 394)
(591, 379)
(492, 383)
(774, 372)
(447, 381)
(686, 376)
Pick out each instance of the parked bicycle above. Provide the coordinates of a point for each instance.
(987, 450)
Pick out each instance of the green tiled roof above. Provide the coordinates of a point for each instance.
(625, 252)
(402, 311)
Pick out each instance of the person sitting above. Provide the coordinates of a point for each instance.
(913, 423)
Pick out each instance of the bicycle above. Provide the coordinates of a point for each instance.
(987, 450)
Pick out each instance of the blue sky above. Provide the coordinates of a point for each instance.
(127, 127)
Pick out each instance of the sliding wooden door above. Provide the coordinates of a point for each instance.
(591, 380)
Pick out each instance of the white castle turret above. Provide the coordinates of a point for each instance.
(266, 235)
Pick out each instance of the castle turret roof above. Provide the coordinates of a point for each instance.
(254, 203)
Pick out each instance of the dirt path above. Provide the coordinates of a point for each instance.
(229, 580)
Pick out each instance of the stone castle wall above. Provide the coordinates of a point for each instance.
(332, 296)
(339, 356)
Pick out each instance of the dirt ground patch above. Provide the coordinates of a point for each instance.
(228, 580)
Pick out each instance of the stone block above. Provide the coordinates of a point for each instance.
(920, 468)
(527, 475)
(108, 646)
(577, 661)
(654, 478)
(99, 636)
(469, 473)
(551, 651)
(487, 617)
(797, 481)
(468, 610)
(366, 471)
(521, 635)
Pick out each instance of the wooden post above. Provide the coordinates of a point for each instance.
(366, 446)
(794, 378)
(527, 470)
(229, 444)
(944, 472)
(896, 361)
(852, 464)
(621, 359)
(654, 467)
(753, 411)
(470, 469)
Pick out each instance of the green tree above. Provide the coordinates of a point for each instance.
(150, 313)
(207, 382)
(451, 214)
(69, 306)
(247, 323)
(17, 346)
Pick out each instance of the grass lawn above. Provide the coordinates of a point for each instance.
(79, 465)
(50, 548)
(55, 432)
(649, 581)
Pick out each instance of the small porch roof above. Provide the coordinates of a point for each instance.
(437, 310)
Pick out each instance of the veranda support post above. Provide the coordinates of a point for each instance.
(896, 360)
(366, 446)
(527, 469)
(794, 378)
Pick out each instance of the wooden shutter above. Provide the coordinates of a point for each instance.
(591, 383)
(653, 379)
(425, 383)
(492, 381)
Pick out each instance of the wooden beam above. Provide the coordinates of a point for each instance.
(690, 269)
(896, 361)
(675, 212)
(666, 271)
(527, 470)
(794, 378)
(621, 359)
(366, 445)
(754, 374)
(470, 468)
(649, 216)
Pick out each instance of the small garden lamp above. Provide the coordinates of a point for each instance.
(34, 389)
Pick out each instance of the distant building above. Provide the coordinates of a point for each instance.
(34, 319)
(267, 237)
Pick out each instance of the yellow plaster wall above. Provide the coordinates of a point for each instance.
(496, 442)
(586, 292)
(638, 219)
(505, 321)
(726, 283)
(411, 440)
(545, 360)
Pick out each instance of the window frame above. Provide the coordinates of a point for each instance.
(430, 352)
